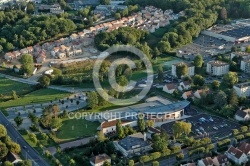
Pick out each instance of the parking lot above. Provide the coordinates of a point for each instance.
(204, 125)
(206, 46)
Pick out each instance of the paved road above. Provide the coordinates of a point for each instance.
(29, 152)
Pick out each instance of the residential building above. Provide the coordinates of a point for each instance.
(236, 155)
(245, 147)
(217, 68)
(17, 54)
(221, 160)
(24, 51)
(242, 115)
(110, 126)
(187, 94)
(99, 159)
(241, 55)
(169, 88)
(61, 55)
(191, 68)
(13, 158)
(184, 85)
(56, 9)
(245, 65)
(242, 89)
(30, 49)
(9, 56)
(133, 144)
(208, 161)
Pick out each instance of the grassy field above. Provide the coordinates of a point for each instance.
(76, 128)
(38, 96)
(7, 86)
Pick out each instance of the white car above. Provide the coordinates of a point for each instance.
(215, 128)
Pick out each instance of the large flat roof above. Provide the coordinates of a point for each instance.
(133, 141)
(237, 32)
(155, 107)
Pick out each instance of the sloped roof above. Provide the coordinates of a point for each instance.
(244, 147)
(171, 86)
(113, 123)
(242, 113)
(99, 158)
(235, 152)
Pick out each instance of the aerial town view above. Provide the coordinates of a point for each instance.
(124, 82)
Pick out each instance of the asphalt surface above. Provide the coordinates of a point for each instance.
(28, 152)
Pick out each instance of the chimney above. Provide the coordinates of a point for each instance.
(144, 136)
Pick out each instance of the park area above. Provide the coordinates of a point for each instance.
(75, 129)
(38, 96)
(7, 86)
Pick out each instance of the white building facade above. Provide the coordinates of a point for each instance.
(217, 68)
(191, 69)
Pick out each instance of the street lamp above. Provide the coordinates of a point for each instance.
(16, 139)
(26, 154)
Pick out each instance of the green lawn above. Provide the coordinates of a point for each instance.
(7, 86)
(76, 128)
(38, 96)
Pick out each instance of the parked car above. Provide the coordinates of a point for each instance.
(201, 128)
(199, 133)
(215, 128)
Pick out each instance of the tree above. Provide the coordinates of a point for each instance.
(198, 62)
(181, 70)
(33, 117)
(3, 150)
(144, 159)
(100, 136)
(24, 163)
(141, 123)
(163, 46)
(244, 129)
(156, 52)
(30, 8)
(122, 81)
(230, 78)
(56, 123)
(180, 128)
(44, 81)
(14, 147)
(27, 64)
(223, 13)
(155, 163)
(198, 80)
(248, 49)
(32, 137)
(106, 163)
(18, 120)
(233, 98)
(3, 132)
(14, 95)
(7, 163)
(93, 100)
(105, 2)
(160, 74)
(215, 84)
(220, 99)
(131, 163)
(119, 129)
(179, 156)
(159, 143)
(72, 162)
(117, 16)
(150, 123)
